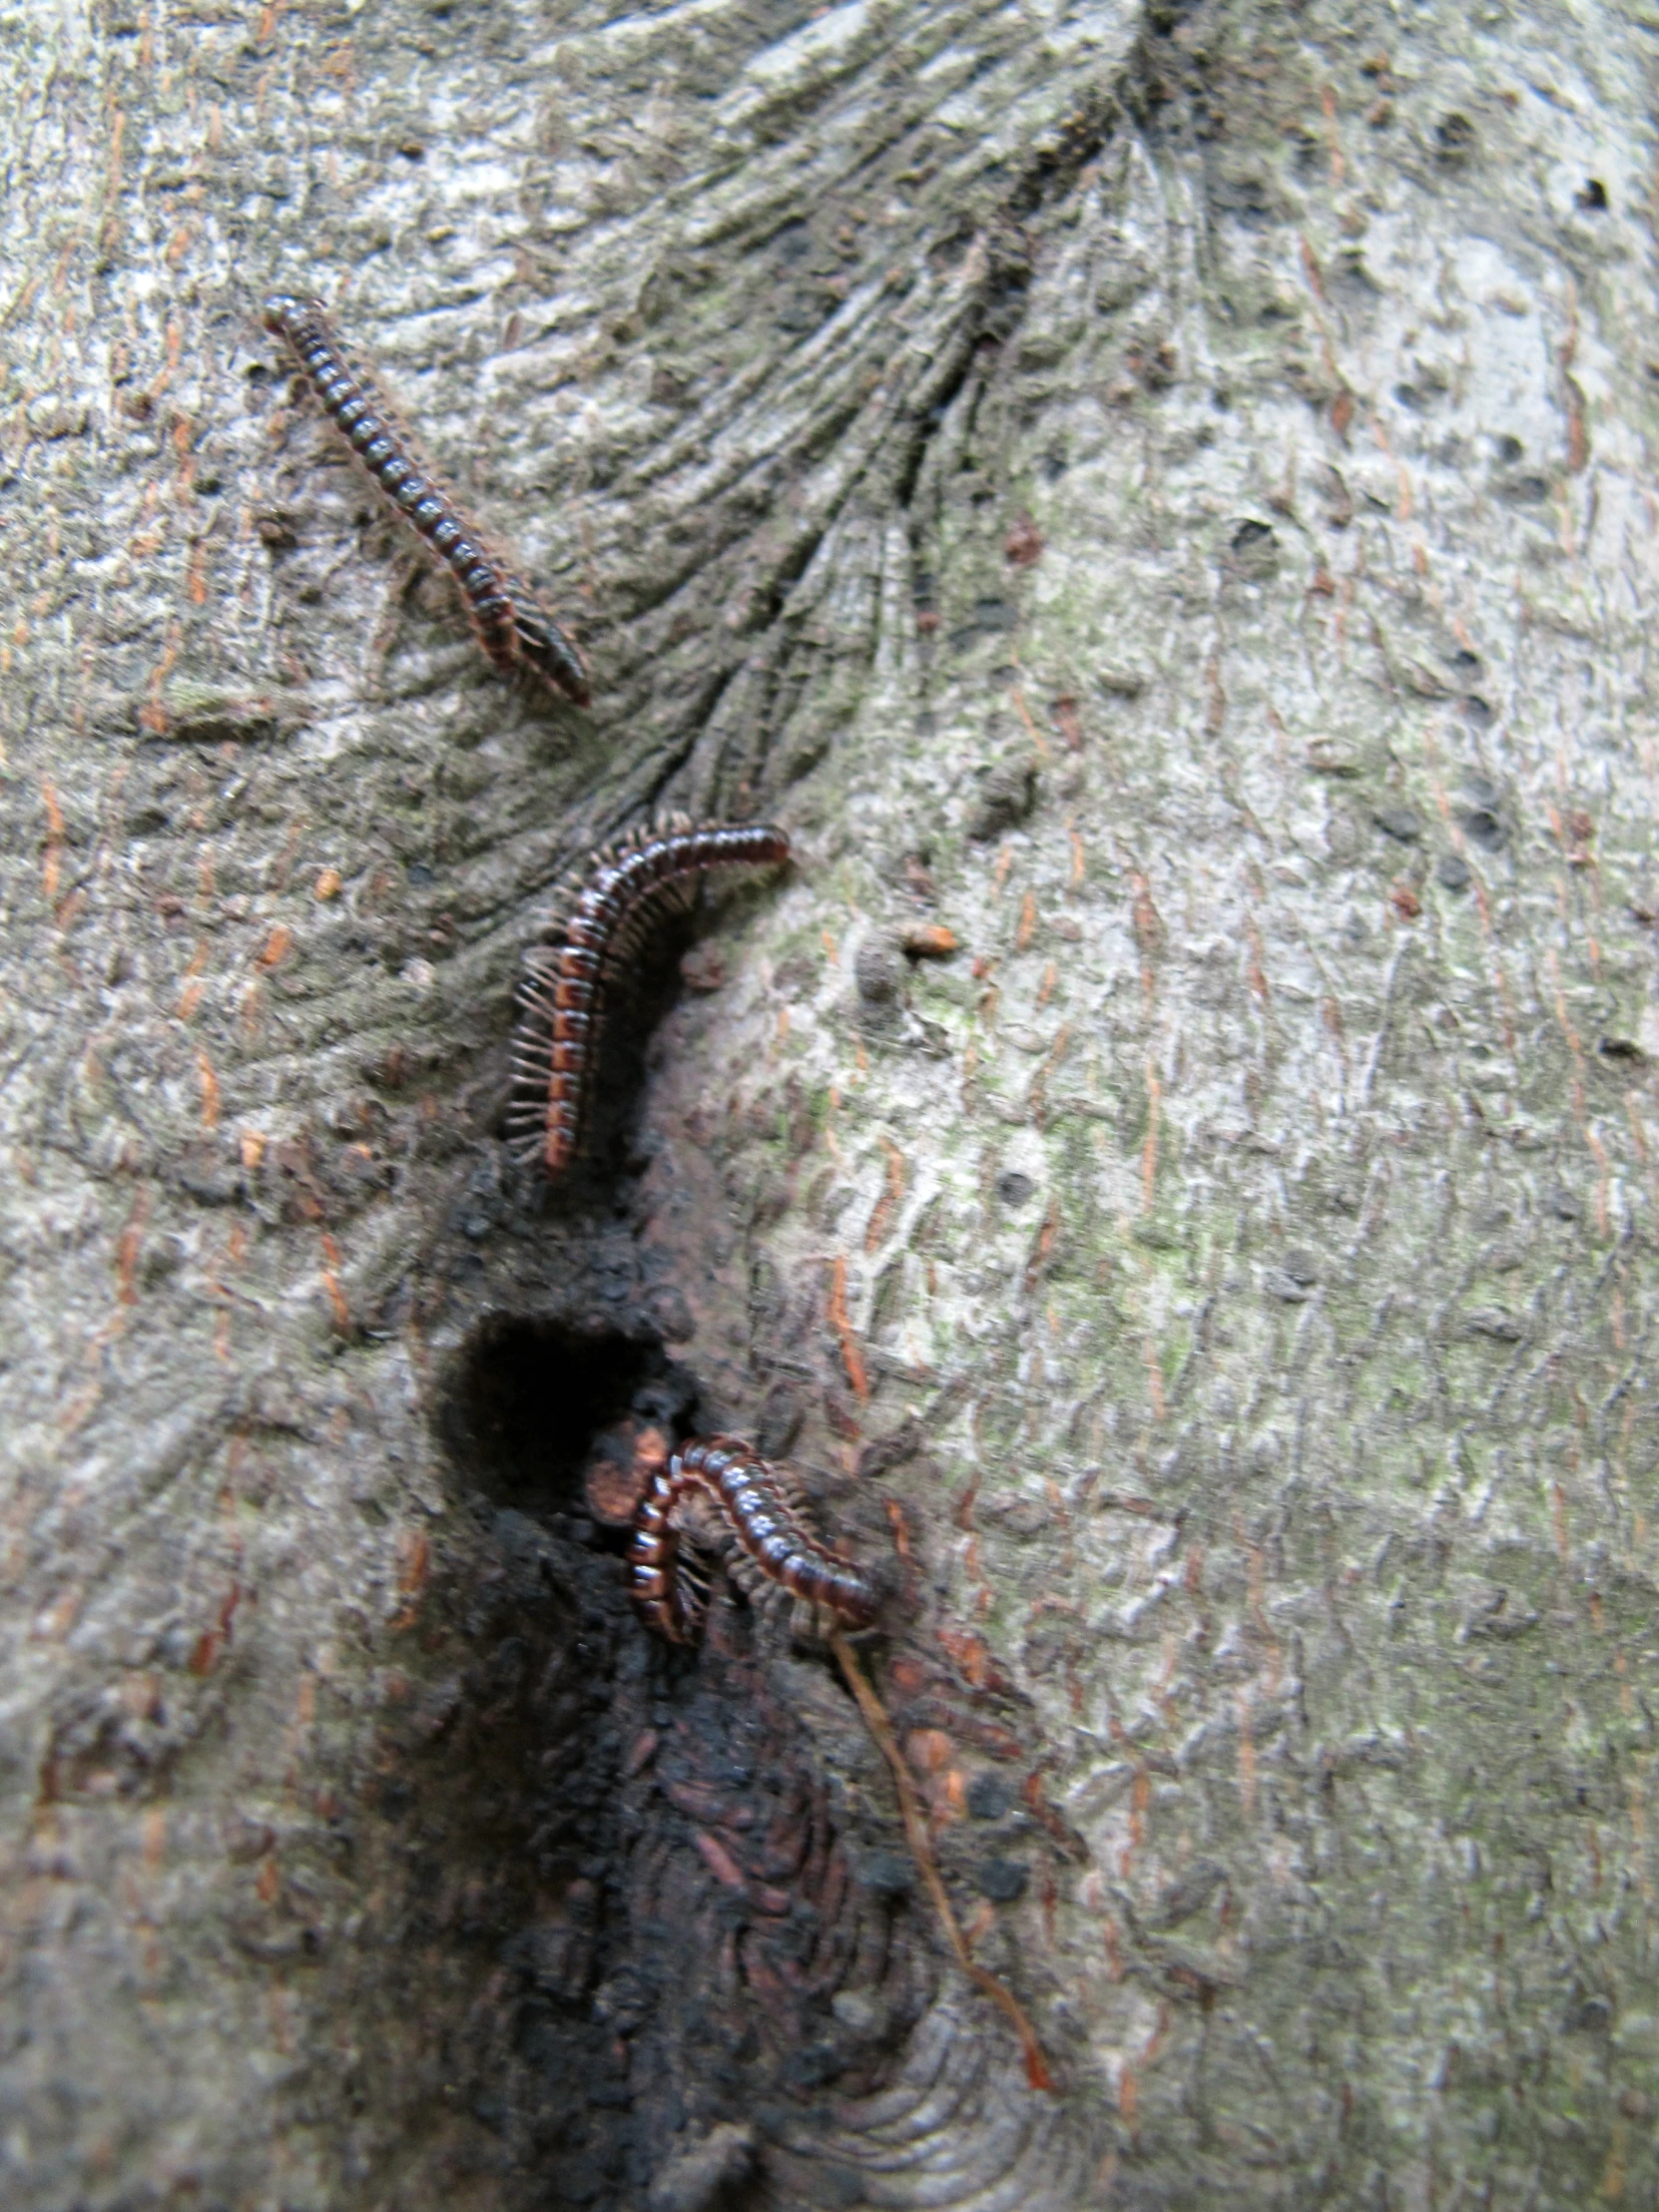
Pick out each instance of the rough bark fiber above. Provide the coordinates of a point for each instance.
(1158, 504)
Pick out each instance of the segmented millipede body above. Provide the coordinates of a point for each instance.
(508, 619)
(626, 888)
(727, 1496)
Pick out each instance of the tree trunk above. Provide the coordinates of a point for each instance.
(1153, 502)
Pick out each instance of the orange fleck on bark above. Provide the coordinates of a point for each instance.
(1066, 716)
(886, 1205)
(970, 1654)
(211, 1644)
(1027, 927)
(1036, 1800)
(1042, 1246)
(1023, 543)
(928, 1750)
(1578, 429)
(127, 1250)
(1247, 1755)
(277, 946)
(414, 1558)
(900, 1529)
(1037, 1098)
(1149, 1150)
(331, 1284)
(328, 885)
(1403, 899)
(1328, 104)
(1256, 970)
(931, 941)
(1638, 1132)
(983, 1921)
(209, 1090)
(1114, 1951)
(1038, 740)
(152, 716)
(851, 1357)
(1604, 1178)
(51, 867)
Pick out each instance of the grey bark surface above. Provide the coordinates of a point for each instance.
(1161, 498)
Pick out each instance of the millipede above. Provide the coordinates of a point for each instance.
(721, 1495)
(515, 630)
(624, 890)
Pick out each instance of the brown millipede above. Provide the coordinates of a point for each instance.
(624, 888)
(511, 625)
(722, 1494)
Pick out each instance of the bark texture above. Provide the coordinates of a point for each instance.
(1158, 503)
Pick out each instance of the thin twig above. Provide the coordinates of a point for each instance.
(921, 1850)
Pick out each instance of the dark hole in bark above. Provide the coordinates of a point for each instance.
(491, 1839)
(642, 1918)
(499, 1829)
(534, 1393)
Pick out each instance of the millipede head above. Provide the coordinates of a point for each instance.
(282, 309)
(542, 647)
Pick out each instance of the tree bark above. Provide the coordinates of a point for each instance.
(1156, 502)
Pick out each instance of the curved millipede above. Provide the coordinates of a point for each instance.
(746, 1506)
(625, 889)
(508, 619)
